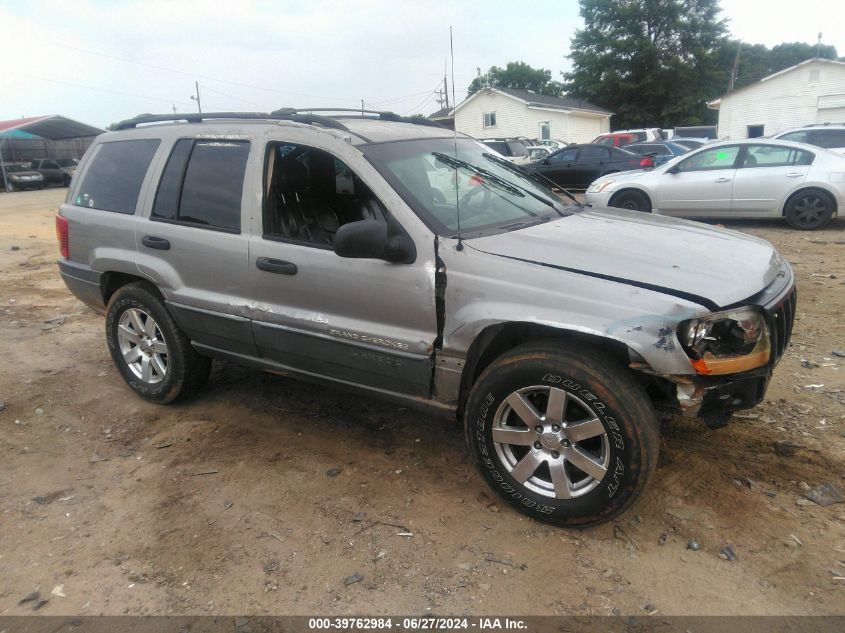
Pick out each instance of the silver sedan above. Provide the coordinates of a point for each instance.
(753, 178)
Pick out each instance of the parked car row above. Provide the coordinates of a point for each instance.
(37, 174)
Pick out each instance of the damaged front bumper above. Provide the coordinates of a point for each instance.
(715, 398)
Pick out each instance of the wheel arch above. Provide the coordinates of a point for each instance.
(628, 188)
(808, 188)
(112, 281)
(496, 340)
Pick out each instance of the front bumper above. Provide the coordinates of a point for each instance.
(716, 397)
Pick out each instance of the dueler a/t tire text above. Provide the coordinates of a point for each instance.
(601, 401)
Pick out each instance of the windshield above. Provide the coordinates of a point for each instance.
(67, 162)
(14, 169)
(492, 194)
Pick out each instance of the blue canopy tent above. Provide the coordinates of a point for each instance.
(45, 128)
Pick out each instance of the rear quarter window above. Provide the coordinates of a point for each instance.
(113, 179)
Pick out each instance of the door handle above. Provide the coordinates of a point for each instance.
(723, 179)
(794, 174)
(158, 243)
(278, 266)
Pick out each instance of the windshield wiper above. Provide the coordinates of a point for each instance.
(489, 175)
(533, 175)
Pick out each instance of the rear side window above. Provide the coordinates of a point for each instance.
(828, 138)
(799, 137)
(775, 156)
(202, 184)
(113, 179)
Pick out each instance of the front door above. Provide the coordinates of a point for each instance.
(701, 185)
(361, 321)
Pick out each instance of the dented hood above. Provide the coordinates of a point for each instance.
(711, 266)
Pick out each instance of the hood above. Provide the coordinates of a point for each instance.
(711, 266)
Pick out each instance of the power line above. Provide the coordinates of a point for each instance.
(100, 89)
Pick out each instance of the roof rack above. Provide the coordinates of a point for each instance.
(301, 115)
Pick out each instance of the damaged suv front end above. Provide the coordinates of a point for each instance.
(734, 351)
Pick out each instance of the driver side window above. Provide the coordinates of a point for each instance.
(709, 159)
(310, 194)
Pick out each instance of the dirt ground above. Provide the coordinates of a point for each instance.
(264, 495)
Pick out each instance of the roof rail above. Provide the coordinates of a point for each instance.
(207, 116)
(298, 115)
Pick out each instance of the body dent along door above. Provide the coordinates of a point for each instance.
(362, 321)
(768, 174)
(194, 245)
(702, 185)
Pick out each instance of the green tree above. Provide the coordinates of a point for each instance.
(651, 62)
(518, 75)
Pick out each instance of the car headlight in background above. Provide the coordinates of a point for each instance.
(726, 342)
(600, 185)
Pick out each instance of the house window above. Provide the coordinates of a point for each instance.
(545, 130)
(489, 119)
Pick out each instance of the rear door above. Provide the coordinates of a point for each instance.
(194, 245)
(767, 174)
(701, 185)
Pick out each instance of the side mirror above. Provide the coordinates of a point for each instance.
(674, 169)
(368, 239)
(545, 161)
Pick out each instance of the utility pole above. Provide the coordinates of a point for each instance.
(445, 85)
(819, 47)
(362, 107)
(174, 108)
(197, 97)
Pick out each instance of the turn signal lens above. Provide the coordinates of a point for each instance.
(62, 235)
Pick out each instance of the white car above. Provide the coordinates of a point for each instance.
(824, 135)
(755, 178)
(539, 152)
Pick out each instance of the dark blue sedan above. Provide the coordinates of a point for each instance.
(661, 151)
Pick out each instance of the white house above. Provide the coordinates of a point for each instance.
(810, 92)
(507, 112)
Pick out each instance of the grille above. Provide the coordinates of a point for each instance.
(783, 317)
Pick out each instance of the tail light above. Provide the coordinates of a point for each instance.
(647, 161)
(62, 235)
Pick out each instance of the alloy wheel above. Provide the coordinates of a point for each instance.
(142, 345)
(551, 442)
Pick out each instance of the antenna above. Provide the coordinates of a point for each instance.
(460, 245)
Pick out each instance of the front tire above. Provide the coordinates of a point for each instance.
(562, 433)
(810, 210)
(632, 200)
(152, 354)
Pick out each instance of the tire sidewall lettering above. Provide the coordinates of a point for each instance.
(613, 480)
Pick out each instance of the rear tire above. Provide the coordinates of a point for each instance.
(632, 200)
(152, 354)
(810, 210)
(583, 447)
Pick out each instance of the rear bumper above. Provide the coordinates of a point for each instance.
(83, 282)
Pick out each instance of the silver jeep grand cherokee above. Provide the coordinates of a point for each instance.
(393, 257)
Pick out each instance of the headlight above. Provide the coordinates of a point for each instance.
(13, 177)
(726, 342)
(600, 185)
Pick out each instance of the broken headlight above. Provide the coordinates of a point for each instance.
(726, 342)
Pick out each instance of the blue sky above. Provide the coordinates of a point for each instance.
(104, 61)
